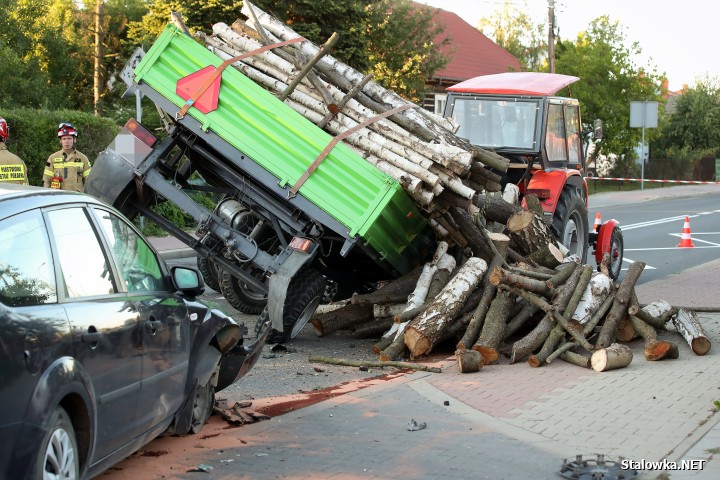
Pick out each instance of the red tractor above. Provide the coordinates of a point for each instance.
(517, 116)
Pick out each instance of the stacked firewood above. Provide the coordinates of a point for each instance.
(415, 147)
(498, 282)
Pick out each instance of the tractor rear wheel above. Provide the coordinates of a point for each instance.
(570, 222)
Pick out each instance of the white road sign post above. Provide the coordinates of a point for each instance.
(643, 115)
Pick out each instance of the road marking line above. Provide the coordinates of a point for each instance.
(679, 235)
(668, 248)
(629, 260)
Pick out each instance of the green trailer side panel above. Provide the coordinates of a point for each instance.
(354, 192)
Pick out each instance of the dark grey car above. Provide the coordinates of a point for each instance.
(102, 348)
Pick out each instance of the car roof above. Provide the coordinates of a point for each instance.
(18, 198)
(516, 83)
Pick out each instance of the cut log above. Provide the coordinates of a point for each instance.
(548, 256)
(657, 313)
(620, 305)
(342, 318)
(576, 359)
(471, 232)
(373, 329)
(424, 330)
(395, 291)
(478, 317)
(561, 276)
(614, 356)
(493, 330)
(388, 309)
(494, 208)
(468, 361)
(688, 325)
(501, 276)
(595, 293)
(529, 232)
(654, 349)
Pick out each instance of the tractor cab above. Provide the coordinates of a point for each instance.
(518, 115)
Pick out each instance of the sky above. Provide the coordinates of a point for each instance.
(679, 38)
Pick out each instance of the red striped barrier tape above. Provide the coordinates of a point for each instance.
(655, 181)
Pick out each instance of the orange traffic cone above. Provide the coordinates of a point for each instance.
(685, 240)
(598, 222)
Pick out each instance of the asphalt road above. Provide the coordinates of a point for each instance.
(652, 231)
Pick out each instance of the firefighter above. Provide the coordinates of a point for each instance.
(66, 169)
(12, 168)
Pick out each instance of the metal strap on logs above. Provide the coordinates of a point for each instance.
(326, 151)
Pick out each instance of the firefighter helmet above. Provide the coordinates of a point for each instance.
(4, 130)
(65, 129)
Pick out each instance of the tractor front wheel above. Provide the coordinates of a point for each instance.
(570, 222)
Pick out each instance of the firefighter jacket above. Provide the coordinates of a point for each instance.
(12, 168)
(66, 171)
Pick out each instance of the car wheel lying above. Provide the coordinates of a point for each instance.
(58, 456)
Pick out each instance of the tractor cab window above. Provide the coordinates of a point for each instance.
(555, 138)
(496, 123)
(572, 127)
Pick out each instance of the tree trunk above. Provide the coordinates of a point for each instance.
(611, 357)
(98, 65)
(423, 331)
(687, 324)
(654, 349)
(595, 293)
(548, 256)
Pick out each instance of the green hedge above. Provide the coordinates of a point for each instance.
(33, 135)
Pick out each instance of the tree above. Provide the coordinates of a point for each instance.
(513, 29)
(609, 81)
(695, 121)
(401, 51)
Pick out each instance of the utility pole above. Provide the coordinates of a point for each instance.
(551, 36)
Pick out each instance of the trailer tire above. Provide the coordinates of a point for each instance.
(239, 295)
(210, 272)
(304, 294)
(570, 222)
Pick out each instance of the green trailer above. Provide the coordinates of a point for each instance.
(283, 234)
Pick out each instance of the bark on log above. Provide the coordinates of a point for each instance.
(561, 276)
(478, 317)
(595, 293)
(341, 318)
(396, 349)
(548, 256)
(394, 292)
(468, 361)
(688, 325)
(373, 329)
(654, 349)
(501, 276)
(518, 321)
(423, 332)
(493, 330)
(612, 357)
(388, 309)
(529, 232)
(620, 305)
(491, 159)
(657, 313)
(366, 363)
(599, 313)
(576, 359)
(494, 208)
(472, 233)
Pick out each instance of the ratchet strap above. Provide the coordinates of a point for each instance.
(293, 191)
(218, 71)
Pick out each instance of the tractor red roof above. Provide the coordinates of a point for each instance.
(470, 52)
(516, 83)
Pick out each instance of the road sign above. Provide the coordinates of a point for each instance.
(643, 114)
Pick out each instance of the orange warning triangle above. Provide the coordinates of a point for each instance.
(188, 86)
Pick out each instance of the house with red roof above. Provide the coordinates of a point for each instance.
(471, 54)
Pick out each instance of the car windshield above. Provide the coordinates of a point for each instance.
(497, 123)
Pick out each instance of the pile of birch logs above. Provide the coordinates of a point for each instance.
(499, 283)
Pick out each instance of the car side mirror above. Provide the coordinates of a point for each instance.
(187, 280)
(598, 129)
